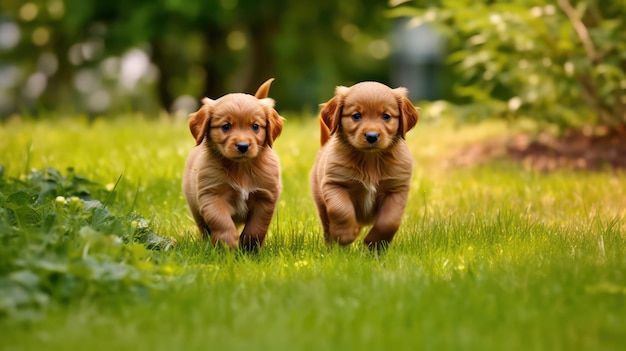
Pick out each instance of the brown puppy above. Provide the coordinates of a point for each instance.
(232, 176)
(363, 171)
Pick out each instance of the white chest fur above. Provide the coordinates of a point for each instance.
(369, 197)
(241, 200)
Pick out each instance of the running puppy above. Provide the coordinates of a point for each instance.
(362, 173)
(232, 176)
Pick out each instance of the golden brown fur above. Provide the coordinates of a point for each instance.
(362, 173)
(232, 176)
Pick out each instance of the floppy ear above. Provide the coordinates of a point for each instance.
(264, 89)
(274, 120)
(324, 132)
(408, 112)
(199, 121)
(330, 116)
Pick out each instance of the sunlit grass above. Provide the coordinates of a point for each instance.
(488, 257)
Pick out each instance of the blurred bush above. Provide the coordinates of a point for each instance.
(98, 56)
(560, 62)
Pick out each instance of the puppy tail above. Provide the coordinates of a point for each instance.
(264, 89)
(324, 132)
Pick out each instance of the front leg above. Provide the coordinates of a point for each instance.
(259, 217)
(216, 216)
(388, 220)
(343, 227)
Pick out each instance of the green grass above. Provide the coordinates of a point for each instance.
(492, 257)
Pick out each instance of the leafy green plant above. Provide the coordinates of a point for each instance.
(562, 63)
(57, 243)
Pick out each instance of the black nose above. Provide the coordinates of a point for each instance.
(242, 147)
(371, 137)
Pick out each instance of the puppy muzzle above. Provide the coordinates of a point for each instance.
(242, 147)
(372, 137)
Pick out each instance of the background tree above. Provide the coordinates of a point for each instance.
(100, 55)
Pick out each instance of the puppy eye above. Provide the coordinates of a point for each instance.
(226, 127)
(386, 117)
(255, 127)
(356, 116)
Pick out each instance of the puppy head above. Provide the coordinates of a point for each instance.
(236, 125)
(369, 115)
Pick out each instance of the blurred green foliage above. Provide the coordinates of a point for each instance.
(128, 54)
(558, 62)
(561, 61)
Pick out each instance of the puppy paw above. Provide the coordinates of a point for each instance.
(344, 236)
(378, 247)
(226, 240)
(249, 243)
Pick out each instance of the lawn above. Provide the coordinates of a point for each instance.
(489, 257)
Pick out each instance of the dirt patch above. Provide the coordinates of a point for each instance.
(575, 149)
